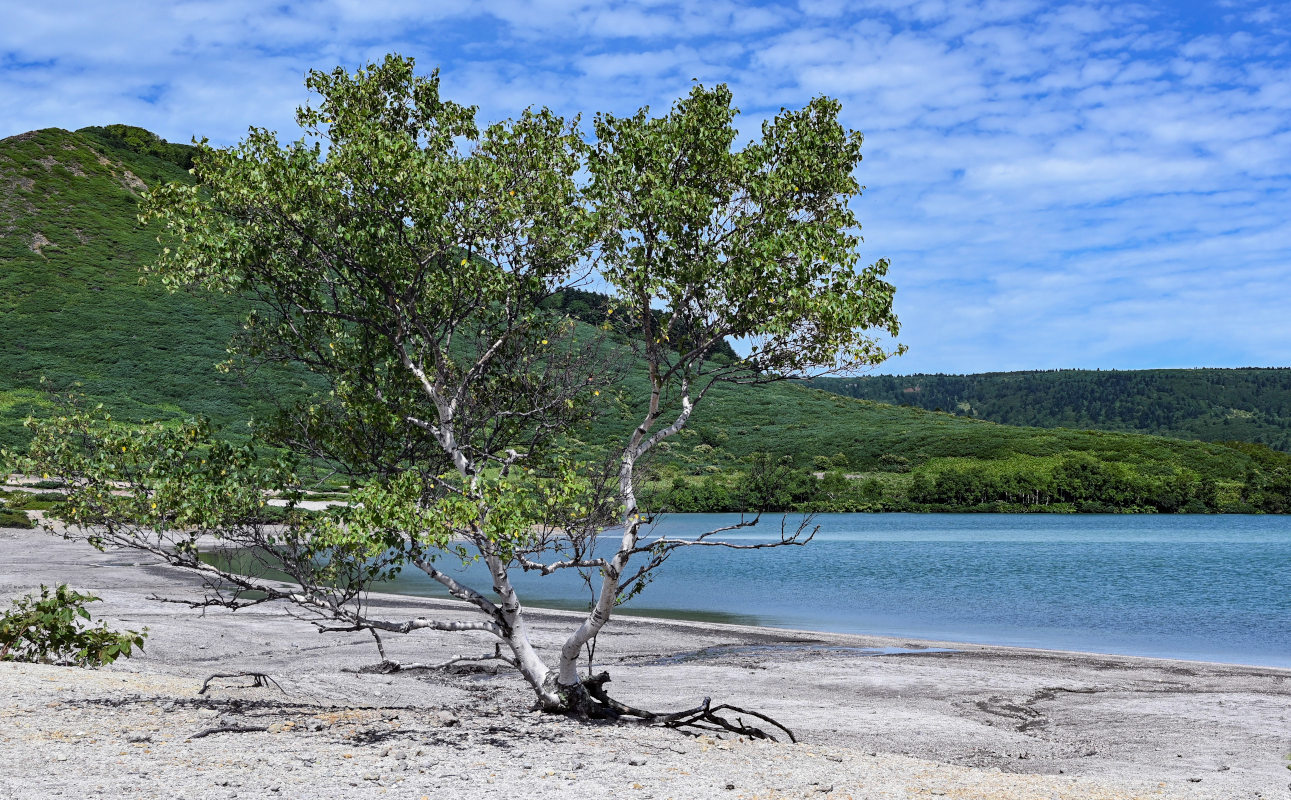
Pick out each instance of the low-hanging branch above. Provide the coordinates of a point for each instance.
(387, 667)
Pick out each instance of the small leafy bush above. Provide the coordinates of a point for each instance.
(891, 462)
(33, 501)
(10, 518)
(55, 629)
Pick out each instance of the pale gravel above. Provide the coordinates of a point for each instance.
(982, 722)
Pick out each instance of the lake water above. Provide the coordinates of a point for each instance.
(1213, 588)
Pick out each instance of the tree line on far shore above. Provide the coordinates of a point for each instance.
(1076, 483)
(1209, 405)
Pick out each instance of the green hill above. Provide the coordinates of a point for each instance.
(70, 295)
(873, 456)
(1209, 405)
(75, 312)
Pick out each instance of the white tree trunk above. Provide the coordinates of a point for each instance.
(515, 633)
(592, 624)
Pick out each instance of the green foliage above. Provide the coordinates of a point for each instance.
(142, 142)
(54, 629)
(898, 453)
(890, 462)
(772, 483)
(1268, 491)
(32, 501)
(75, 311)
(755, 243)
(1210, 405)
(1073, 483)
(162, 476)
(711, 494)
(594, 308)
(11, 518)
(402, 269)
(405, 272)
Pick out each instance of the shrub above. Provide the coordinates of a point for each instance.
(10, 518)
(891, 462)
(33, 501)
(54, 629)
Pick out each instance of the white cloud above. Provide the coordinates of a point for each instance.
(1057, 184)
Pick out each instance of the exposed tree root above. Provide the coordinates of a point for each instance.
(260, 680)
(597, 704)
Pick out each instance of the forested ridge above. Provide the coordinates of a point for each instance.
(1209, 405)
(77, 314)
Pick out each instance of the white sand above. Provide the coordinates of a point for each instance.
(980, 722)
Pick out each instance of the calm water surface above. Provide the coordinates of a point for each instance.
(1214, 588)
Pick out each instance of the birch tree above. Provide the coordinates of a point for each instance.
(401, 255)
(757, 244)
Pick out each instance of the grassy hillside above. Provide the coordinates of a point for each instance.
(76, 313)
(70, 295)
(1209, 405)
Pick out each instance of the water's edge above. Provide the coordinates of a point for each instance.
(1209, 589)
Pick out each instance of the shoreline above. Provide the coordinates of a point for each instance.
(981, 721)
(712, 619)
(875, 640)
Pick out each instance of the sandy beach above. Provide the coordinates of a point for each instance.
(974, 722)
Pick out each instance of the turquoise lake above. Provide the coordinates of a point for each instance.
(1212, 588)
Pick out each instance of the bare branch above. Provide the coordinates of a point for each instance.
(572, 563)
(260, 679)
(229, 729)
(459, 590)
(387, 667)
(796, 538)
(417, 624)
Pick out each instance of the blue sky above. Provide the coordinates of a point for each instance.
(1056, 184)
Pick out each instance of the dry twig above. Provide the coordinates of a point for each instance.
(261, 680)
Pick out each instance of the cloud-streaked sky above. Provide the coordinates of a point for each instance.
(1057, 184)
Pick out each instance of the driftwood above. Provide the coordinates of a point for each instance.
(230, 729)
(261, 680)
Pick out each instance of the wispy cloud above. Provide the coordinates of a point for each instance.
(1056, 183)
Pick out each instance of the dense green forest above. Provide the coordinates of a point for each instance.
(1209, 405)
(77, 314)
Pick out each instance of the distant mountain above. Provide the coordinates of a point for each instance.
(1209, 405)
